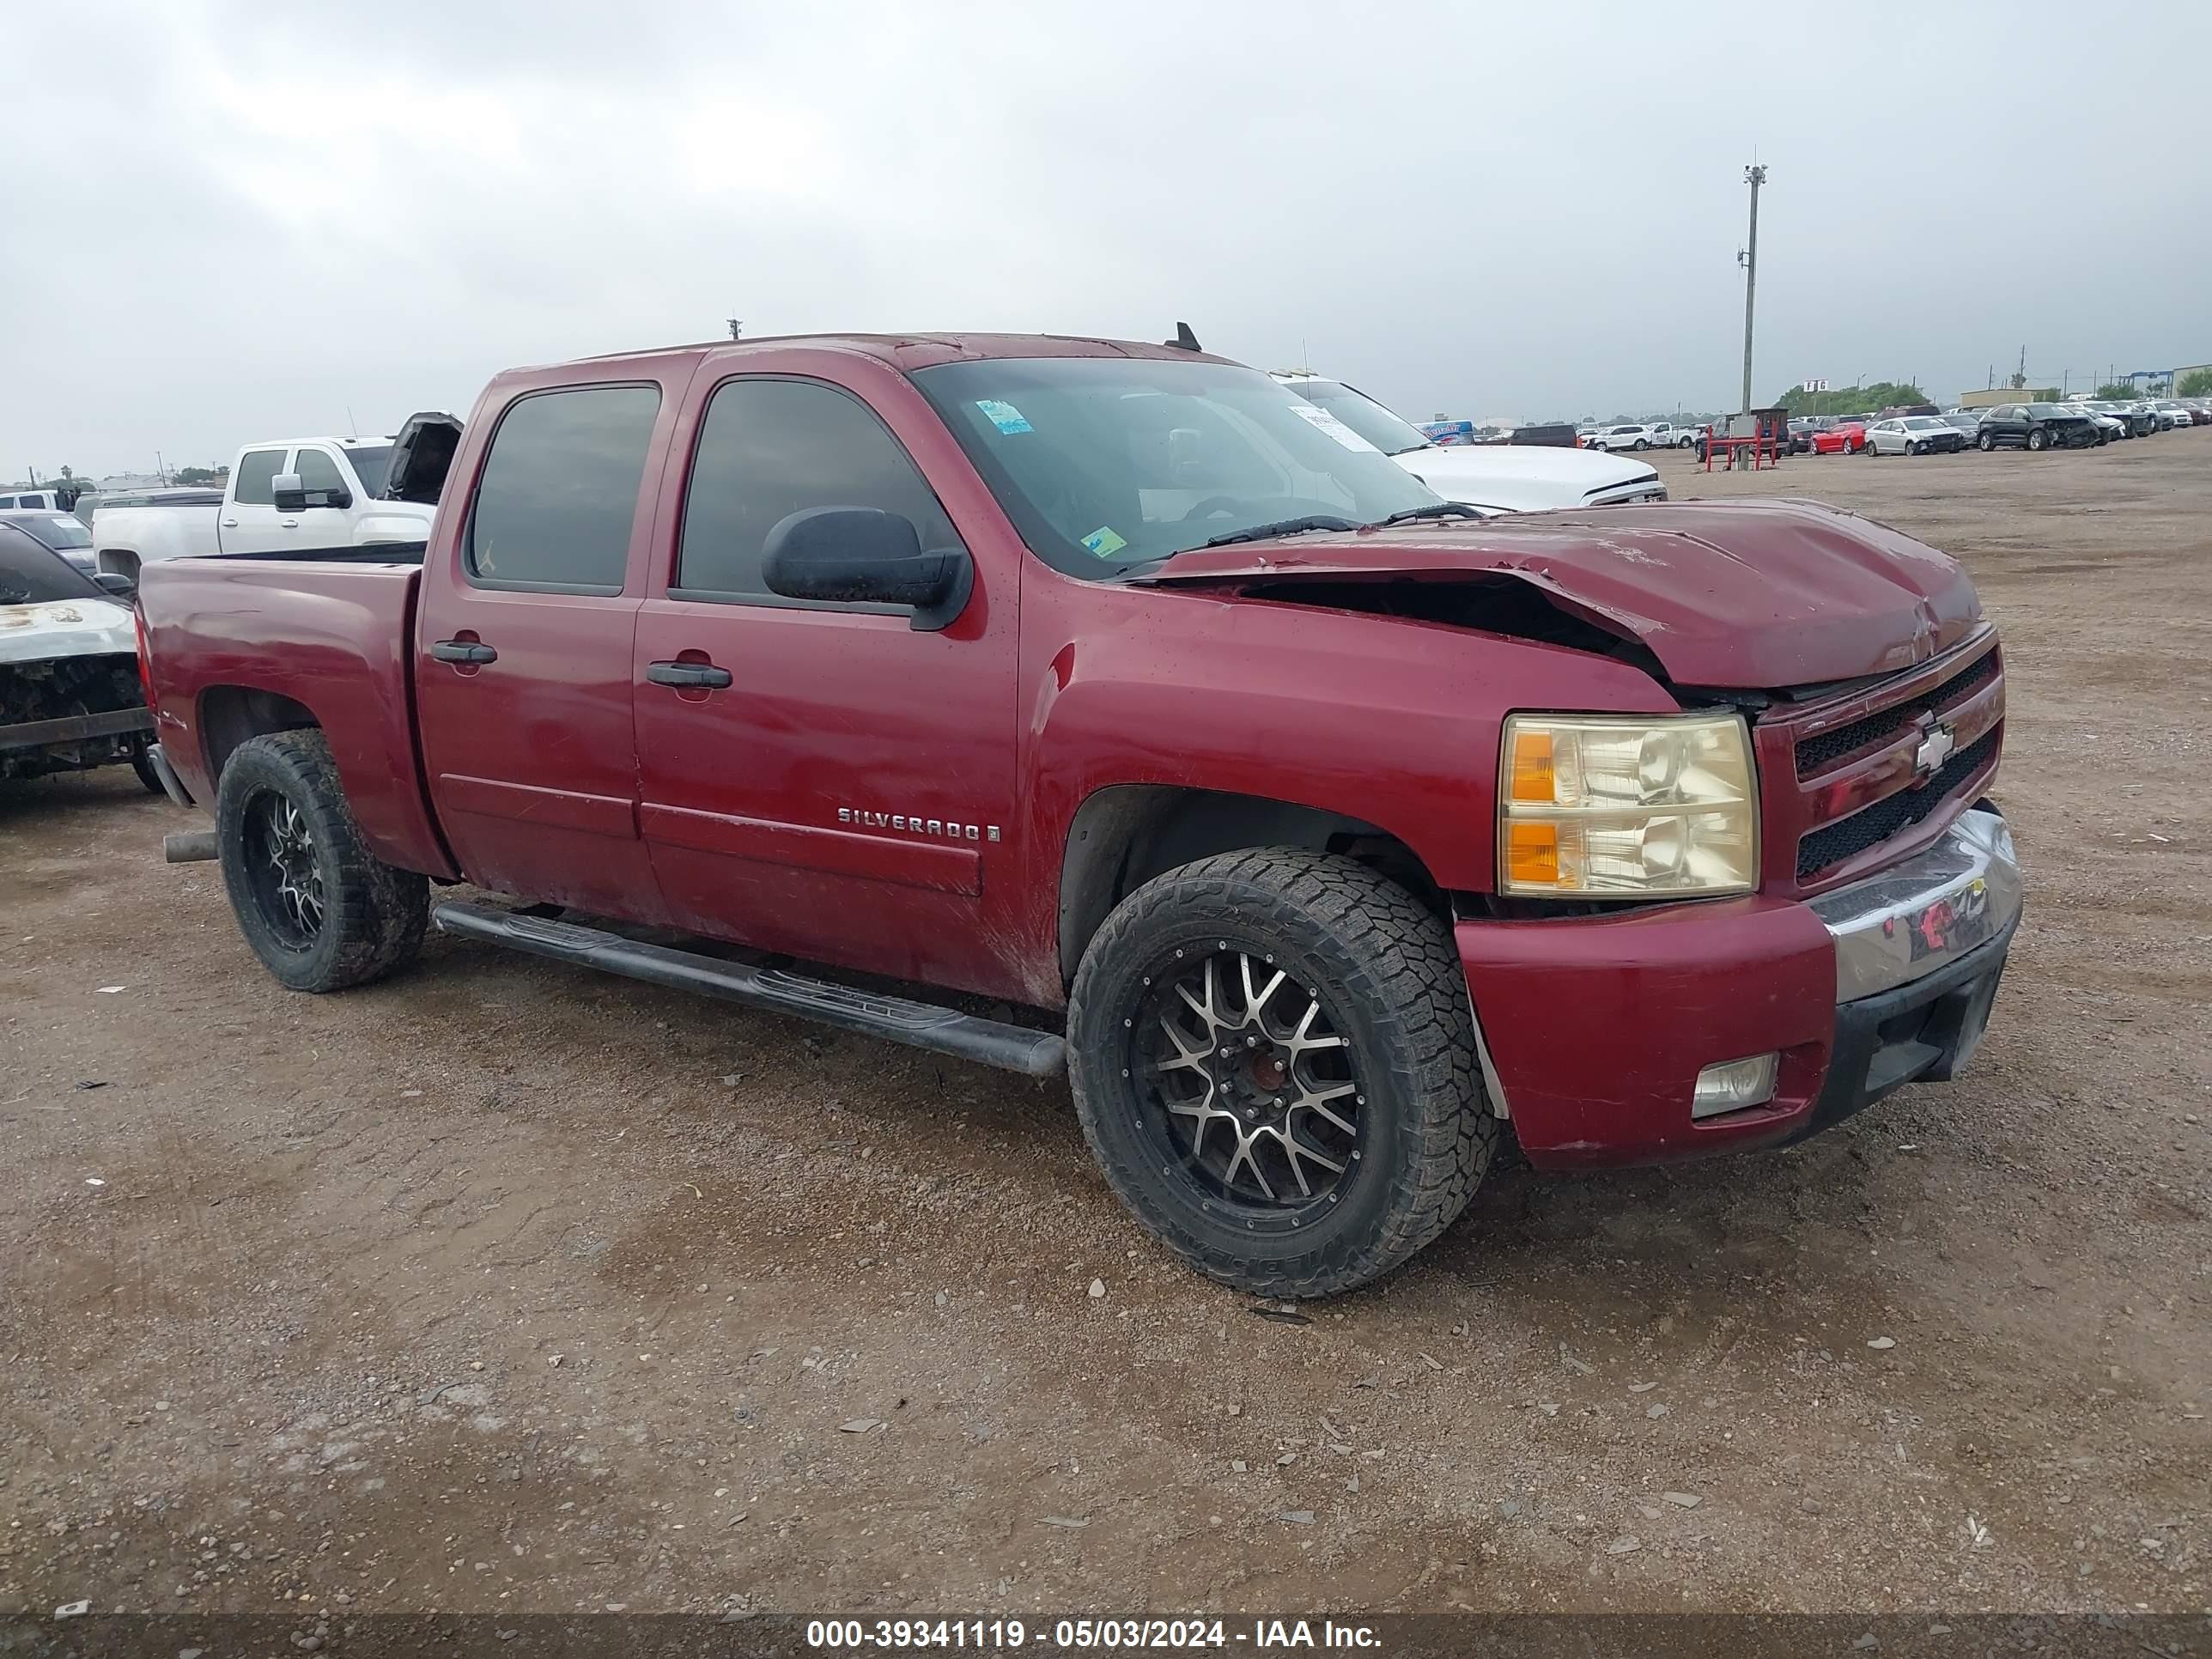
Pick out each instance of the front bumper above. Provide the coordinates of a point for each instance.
(1593, 1028)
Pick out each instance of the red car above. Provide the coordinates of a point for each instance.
(1326, 832)
(1846, 437)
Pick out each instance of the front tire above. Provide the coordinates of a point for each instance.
(320, 910)
(1273, 1059)
(2038, 439)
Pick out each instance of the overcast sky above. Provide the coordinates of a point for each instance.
(234, 222)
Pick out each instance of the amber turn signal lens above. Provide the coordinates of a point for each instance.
(1532, 766)
(1531, 854)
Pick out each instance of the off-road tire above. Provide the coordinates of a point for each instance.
(1386, 968)
(373, 915)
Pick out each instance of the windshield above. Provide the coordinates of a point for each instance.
(56, 530)
(1107, 463)
(30, 574)
(1922, 422)
(374, 462)
(1385, 430)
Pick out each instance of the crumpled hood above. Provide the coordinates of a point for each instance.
(1736, 595)
(63, 628)
(1524, 477)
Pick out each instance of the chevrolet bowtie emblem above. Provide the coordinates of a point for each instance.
(1934, 749)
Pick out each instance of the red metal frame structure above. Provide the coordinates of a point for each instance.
(1764, 446)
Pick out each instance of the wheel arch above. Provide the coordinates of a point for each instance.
(230, 715)
(1124, 835)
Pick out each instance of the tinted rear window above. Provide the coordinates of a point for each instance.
(560, 488)
(257, 475)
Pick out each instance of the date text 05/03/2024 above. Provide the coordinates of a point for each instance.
(1258, 1635)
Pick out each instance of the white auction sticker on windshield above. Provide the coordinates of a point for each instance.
(1336, 428)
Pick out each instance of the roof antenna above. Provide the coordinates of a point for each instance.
(1184, 339)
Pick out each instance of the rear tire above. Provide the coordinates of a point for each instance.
(1191, 1022)
(320, 910)
(1985, 443)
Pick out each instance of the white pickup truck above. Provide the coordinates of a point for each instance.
(288, 492)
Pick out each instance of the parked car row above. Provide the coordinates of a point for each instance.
(2030, 424)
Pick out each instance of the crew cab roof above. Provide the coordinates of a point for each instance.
(908, 352)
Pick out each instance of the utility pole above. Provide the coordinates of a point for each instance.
(736, 327)
(161, 468)
(1754, 176)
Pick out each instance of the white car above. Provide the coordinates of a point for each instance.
(70, 696)
(1494, 478)
(1635, 436)
(286, 494)
(2170, 414)
(32, 500)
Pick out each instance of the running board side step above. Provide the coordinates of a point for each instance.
(917, 1024)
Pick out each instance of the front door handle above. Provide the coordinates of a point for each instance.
(464, 651)
(689, 675)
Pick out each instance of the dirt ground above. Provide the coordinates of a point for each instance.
(503, 1286)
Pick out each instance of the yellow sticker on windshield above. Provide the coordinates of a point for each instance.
(1104, 541)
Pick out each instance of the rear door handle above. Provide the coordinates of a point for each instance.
(688, 674)
(468, 651)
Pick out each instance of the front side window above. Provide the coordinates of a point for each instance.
(256, 475)
(319, 474)
(769, 448)
(559, 491)
(1105, 464)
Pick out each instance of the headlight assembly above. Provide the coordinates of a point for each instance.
(1630, 807)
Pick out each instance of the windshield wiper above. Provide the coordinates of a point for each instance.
(1267, 532)
(1433, 510)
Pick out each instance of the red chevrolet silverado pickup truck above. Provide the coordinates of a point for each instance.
(1326, 832)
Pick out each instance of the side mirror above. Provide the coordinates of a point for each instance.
(865, 555)
(115, 584)
(286, 492)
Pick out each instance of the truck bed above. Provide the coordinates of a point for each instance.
(327, 641)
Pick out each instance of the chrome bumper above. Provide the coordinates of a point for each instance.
(1928, 912)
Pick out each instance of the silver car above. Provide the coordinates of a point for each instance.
(1914, 434)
